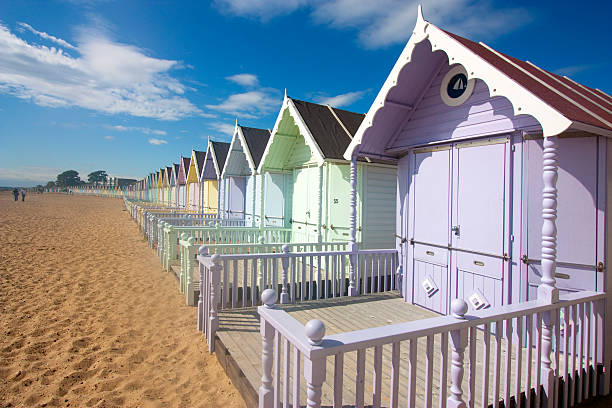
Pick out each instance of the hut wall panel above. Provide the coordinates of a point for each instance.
(576, 212)
(379, 207)
(439, 275)
(274, 201)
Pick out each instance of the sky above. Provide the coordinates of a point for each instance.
(130, 86)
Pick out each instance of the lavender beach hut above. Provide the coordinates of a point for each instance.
(474, 132)
(182, 180)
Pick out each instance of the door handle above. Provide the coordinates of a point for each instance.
(456, 229)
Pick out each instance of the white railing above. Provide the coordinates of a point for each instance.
(188, 260)
(230, 281)
(551, 357)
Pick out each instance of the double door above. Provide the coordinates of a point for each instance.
(458, 224)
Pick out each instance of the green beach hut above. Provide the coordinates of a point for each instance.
(304, 159)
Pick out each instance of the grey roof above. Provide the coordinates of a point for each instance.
(200, 156)
(327, 131)
(221, 149)
(256, 140)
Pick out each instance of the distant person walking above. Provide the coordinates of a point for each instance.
(16, 194)
(23, 193)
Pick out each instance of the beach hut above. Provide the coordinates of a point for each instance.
(193, 180)
(306, 183)
(160, 186)
(173, 185)
(478, 135)
(166, 185)
(241, 185)
(182, 180)
(216, 154)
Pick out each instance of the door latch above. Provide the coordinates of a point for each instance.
(456, 230)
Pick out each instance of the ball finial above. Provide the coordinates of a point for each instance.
(215, 258)
(285, 248)
(184, 236)
(268, 297)
(191, 240)
(262, 240)
(315, 331)
(458, 308)
(203, 250)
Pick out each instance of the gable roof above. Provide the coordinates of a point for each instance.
(331, 128)
(556, 102)
(219, 152)
(200, 159)
(326, 130)
(184, 164)
(256, 141)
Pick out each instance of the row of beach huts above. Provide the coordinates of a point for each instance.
(447, 248)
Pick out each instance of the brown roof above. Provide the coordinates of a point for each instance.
(574, 101)
(327, 128)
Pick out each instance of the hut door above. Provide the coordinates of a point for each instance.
(338, 202)
(477, 223)
(274, 206)
(236, 186)
(181, 196)
(430, 227)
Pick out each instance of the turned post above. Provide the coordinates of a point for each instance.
(189, 269)
(203, 252)
(314, 369)
(352, 289)
(458, 342)
(215, 277)
(260, 283)
(284, 298)
(266, 390)
(547, 291)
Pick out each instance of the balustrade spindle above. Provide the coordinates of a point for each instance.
(458, 342)
(284, 298)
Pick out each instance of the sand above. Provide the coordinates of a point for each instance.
(88, 318)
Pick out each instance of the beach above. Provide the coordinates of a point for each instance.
(88, 317)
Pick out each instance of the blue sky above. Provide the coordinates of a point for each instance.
(129, 86)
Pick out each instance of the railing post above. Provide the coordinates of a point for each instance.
(190, 252)
(266, 390)
(183, 261)
(458, 342)
(260, 282)
(172, 238)
(284, 298)
(314, 369)
(215, 277)
(352, 289)
(203, 252)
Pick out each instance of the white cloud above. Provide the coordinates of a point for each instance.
(46, 36)
(146, 131)
(109, 137)
(107, 77)
(244, 79)
(261, 9)
(341, 100)
(572, 69)
(224, 127)
(36, 174)
(386, 22)
(157, 142)
(248, 104)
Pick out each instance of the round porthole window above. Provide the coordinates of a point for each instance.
(456, 88)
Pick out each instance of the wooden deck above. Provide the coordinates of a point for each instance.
(238, 348)
(239, 340)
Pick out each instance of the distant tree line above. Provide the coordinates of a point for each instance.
(71, 178)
